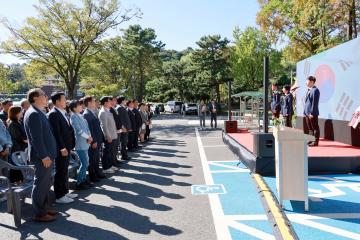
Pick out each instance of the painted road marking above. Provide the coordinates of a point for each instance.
(326, 228)
(231, 171)
(214, 146)
(208, 189)
(222, 230)
(251, 230)
(303, 219)
(226, 166)
(278, 215)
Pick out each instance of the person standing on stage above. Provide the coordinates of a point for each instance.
(275, 101)
(287, 107)
(311, 110)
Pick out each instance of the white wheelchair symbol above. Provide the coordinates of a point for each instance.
(208, 189)
(333, 189)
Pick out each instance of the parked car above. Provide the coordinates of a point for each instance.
(173, 106)
(157, 108)
(189, 108)
(161, 107)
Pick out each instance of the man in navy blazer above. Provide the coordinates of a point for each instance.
(213, 108)
(275, 101)
(287, 106)
(311, 109)
(42, 153)
(65, 140)
(98, 138)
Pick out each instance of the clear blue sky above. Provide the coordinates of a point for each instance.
(178, 23)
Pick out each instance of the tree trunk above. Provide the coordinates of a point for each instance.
(217, 92)
(354, 18)
(350, 24)
(142, 83)
(71, 87)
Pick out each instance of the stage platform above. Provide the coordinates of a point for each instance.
(330, 157)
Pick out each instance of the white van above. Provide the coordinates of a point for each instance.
(173, 106)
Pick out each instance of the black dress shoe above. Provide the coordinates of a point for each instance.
(90, 184)
(95, 179)
(82, 186)
(127, 158)
(101, 176)
(313, 144)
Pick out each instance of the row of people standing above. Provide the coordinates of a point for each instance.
(311, 108)
(95, 134)
(213, 108)
(282, 106)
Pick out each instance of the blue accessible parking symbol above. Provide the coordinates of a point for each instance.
(207, 189)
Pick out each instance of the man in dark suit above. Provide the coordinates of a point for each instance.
(132, 134)
(126, 126)
(118, 123)
(65, 140)
(213, 108)
(98, 138)
(287, 107)
(311, 110)
(138, 121)
(42, 153)
(275, 101)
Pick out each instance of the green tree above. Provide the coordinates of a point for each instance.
(310, 26)
(212, 60)
(247, 56)
(64, 34)
(103, 73)
(6, 86)
(141, 50)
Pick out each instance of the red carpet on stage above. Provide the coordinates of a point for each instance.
(329, 157)
(326, 148)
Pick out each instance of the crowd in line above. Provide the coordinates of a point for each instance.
(100, 132)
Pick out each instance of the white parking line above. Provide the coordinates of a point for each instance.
(221, 227)
(224, 166)
(213, 146)
(231, 171)
(251, 230)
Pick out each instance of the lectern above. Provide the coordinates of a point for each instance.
(291, 164)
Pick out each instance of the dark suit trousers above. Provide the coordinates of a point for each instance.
(41, 188)
(94, 161)
(147, 133)
(136, 138)
(131, 142)
(124, 142)
(313, 127)
(108, 152)
(116, 149)
(213, 118)
(287, 120)
(61, 183)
